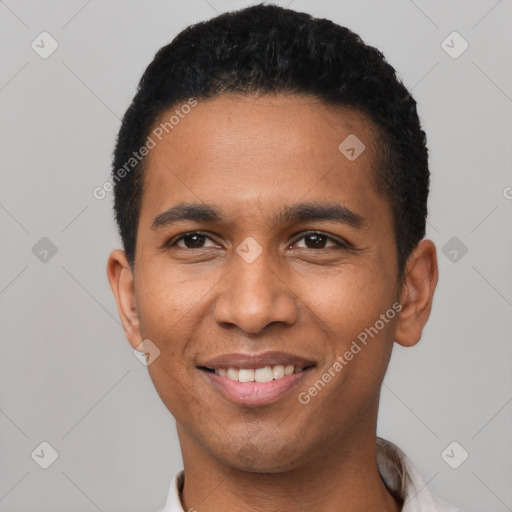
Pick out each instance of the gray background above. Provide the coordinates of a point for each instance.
(67, 374)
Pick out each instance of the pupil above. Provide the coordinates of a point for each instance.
(198, 239)
(317, 240)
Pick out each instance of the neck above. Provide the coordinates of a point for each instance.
(344, 478)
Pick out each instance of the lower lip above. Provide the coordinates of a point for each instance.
(255, 393)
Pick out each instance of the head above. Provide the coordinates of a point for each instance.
(291, 158)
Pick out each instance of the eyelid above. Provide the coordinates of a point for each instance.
(174, 240)
(341, 243)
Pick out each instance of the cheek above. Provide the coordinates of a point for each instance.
(171, 387)
(347, 302)
(348, 309)
(166, 301)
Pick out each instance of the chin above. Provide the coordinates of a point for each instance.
(259, 457)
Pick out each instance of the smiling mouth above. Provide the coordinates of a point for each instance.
(255, 379)
(264, 374)
(256, 386)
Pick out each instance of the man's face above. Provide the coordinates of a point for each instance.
(214, 294)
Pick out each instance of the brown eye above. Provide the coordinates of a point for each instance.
(316, 240)
(192, 240)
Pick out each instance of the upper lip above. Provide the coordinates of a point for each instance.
(244, 360)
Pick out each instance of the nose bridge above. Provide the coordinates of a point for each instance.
(252, 295)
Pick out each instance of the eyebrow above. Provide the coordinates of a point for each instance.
(302, 212)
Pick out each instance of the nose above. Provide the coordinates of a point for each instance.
(253, 296)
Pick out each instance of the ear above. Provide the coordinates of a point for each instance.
(417, 293)
(120, 277)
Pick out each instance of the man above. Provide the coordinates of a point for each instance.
(271, 184)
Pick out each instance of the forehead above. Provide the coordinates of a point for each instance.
(251, 153)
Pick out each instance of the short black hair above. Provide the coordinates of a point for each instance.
(270, 49)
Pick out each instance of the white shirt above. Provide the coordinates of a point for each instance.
(397, 471)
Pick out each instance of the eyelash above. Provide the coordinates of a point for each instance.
(172, 243)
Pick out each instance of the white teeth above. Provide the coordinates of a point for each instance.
(278, 371)
(245, 375)
(265, 374)
(232, 374)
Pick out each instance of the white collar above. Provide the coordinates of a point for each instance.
(397, 472)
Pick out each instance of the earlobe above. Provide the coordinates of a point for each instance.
(417, 293)
(120, 277)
